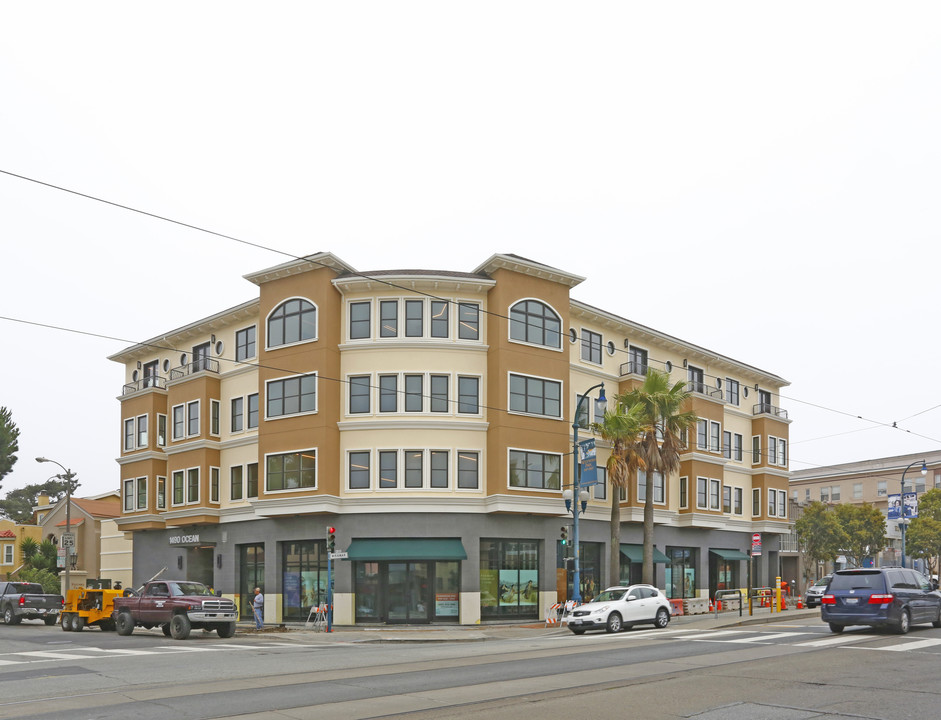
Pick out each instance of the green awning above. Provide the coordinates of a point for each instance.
(730, 554)
(635, 553)
(407, 549)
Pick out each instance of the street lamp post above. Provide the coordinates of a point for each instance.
(68, 513)
(924, 471)
(574, 496)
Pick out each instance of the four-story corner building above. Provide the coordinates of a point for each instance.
(427, 416)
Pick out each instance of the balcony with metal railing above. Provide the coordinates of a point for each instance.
(192, 368)
(145, 383)
(769, 409)
(634, 367)
(696, 387)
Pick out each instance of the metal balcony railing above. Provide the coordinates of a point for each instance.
(769, 409)
(700, 388)
(191, 368)
(151, 381)
(634, 367)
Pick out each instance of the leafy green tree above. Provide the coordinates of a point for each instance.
(864, 530)
(9, 442)
(819, 533)
(929, 504)
(923, 540)
(665, 423)
(45, 558)
(49, 581)
(18, 504)
(621, 427)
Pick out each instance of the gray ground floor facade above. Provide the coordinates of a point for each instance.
(440, 568)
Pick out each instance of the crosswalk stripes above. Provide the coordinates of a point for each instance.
(837, 640)
(909, 645)
(97, 653)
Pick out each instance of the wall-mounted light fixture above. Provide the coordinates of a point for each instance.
(179, 562)
(219, 560)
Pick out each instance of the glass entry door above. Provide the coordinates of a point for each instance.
(408, 592)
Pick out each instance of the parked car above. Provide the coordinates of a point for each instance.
(880, 597)
(177, 607)
(620, 607)
(815, 591)
(27, 601)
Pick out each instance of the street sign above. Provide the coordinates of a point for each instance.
(67, 540)
(756, 544)
(339, 555)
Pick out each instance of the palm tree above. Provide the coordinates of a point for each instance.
(621, 427)
(29, 548)
(660, 444)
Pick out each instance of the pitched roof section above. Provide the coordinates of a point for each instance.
(299, 265)
(519, 264)
(98, 508)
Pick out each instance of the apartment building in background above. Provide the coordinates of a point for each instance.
(870, 481)
(427, 416)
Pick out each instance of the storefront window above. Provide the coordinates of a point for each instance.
(304, 577)
(723, 574)
(681, 572)
(407, 592)
(509, 578)
(589, 569)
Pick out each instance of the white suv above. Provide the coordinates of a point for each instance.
(620, 607)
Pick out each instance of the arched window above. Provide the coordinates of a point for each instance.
(534, 322)
(292, 321)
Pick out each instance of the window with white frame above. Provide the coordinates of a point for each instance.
(737, 444)
(439, 470)
(535, 470)
(129, 495)
(291, 471)
(142, 493)
(388, 469)
(414, 393)
(857, 491)
(236, 489)
(142, 431)
(192, 485)
(535, 396)
(727, 499)
(702, 434)
(468, 470)
(414, 318)
(835, 493)
(468, 321)
(591, 346)
(727, 444)
(440, 324)
(360, 328)
(782, 503)
(756, 449)
(251, 480)
(161, 492)
(388, 393)
(684, 493)
(358, 472)
(214, 417)
(237, 415)
(756, 502)
(715, 490)
(739, 501)
(414, 468)
(245, 344)
(702, 493)
(732, 391)
(214, 481)
(292, 396)
(825, 494)
(388, 318)
(715, 433)
(600, 488)
(468, 395)
(782, 452)
(129, 434)
(179, 421)
(659, 492)
(192, 418)
(534, 322)
(637, 360)
(8, 553)
(695, 379)
(177, 479)
(360, 392)
(772, 503)
(881, 489)
(161, 430)
(251, 418)
(582, 414)
(293, 321)
(439, 401)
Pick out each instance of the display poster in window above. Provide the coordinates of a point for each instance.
(312, 588)
(446, 604)
(291, 587)
(489, 588)
(509, 587)
(529, 587)
(589, 463)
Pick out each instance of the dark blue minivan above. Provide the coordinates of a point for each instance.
(893, 597)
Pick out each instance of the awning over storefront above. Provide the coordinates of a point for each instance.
(635, 553)
(729, 554)
(407, 549)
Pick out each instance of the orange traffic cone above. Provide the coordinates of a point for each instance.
(711, 608)
(719, 605)
(800, 604)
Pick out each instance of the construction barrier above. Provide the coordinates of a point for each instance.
(676, 607)
(554, 614)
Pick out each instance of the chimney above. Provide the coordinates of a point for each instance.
(43, 499)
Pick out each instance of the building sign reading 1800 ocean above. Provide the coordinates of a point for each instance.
(184, 539)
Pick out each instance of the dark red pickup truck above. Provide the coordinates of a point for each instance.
(176, 607)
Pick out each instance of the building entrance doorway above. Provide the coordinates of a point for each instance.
(408, 592)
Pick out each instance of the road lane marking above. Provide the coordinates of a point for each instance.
(709, 635)
(49, 655)
(838, 640)
(906, 646)
(766, 637)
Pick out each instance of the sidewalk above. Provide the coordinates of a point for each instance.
(500, 631)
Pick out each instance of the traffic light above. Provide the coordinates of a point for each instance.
(564, 535)
(331, 539)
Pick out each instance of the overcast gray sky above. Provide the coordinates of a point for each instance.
(759, 179)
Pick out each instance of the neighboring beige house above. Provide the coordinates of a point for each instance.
(870, 481)
(11, 536)
(101, 550)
